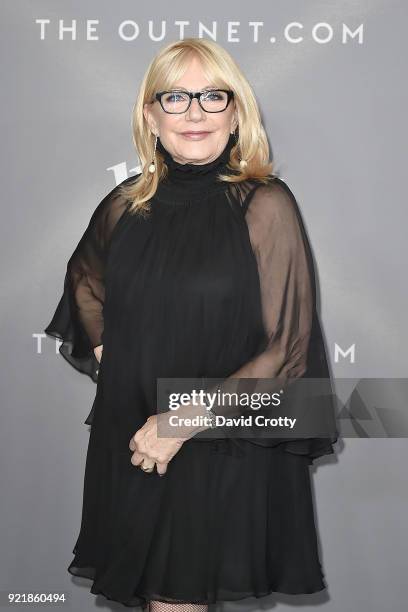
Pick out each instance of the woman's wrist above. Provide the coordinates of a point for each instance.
(189, 420)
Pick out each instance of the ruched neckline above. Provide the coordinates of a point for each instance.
(187, 182)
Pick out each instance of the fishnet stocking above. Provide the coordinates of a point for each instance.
(162, 606)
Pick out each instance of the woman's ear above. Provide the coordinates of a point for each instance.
(149, 118)
(234, 123)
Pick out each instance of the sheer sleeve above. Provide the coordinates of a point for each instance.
(78, 319)
(294, 345)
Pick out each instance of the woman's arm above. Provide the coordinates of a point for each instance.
(293, 346)
(78, 319)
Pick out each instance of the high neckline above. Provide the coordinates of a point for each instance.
(192, 181)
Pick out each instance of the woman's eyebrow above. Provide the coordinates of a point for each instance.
(176, 87)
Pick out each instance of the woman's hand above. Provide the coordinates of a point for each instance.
(151, 449)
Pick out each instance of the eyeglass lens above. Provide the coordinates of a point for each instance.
(178, 101)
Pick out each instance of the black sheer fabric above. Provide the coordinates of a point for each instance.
(216, 282)
(78, 320)
(293, 345)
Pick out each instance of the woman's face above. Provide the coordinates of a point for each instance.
(172, 128)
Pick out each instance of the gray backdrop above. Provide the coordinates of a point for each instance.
(334, 107)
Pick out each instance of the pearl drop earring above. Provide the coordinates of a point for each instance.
(152, 167)
(243, 163)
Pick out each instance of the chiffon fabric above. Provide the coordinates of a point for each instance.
(216, 281)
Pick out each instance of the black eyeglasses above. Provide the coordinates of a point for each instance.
(179, 101)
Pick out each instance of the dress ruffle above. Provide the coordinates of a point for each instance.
(76, 346)
(175, 544)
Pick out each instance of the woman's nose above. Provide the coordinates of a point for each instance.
(195, 108)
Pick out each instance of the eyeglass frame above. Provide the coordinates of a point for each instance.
(192, 95)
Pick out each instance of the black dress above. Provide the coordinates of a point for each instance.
(216, 281)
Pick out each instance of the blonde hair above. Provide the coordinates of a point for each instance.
(220, 68)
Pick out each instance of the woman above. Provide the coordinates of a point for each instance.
(197, 267)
